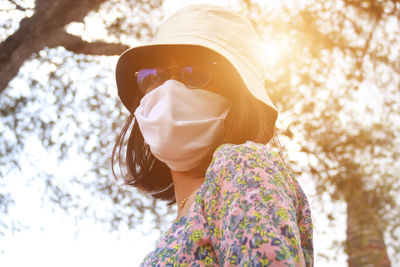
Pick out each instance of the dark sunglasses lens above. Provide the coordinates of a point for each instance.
(197, 76)
(148, 79)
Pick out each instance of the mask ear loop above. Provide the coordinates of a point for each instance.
(163, 189)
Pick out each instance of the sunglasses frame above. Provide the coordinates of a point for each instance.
(213, 64)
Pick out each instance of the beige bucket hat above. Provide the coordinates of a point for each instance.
(216, 28)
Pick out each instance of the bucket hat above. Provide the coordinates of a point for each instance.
(211, 27)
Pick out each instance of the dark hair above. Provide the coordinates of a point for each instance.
(248, 120)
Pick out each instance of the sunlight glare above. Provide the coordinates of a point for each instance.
(272, 51)
(275, 51)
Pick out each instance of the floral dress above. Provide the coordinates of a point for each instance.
(249, 211)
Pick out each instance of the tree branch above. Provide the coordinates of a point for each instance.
(17, 6)
(75, 44)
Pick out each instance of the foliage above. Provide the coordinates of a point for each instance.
(68, 102)
(336, 80)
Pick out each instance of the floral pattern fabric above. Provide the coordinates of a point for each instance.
(249, 211)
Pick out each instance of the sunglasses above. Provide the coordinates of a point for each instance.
(195, 76)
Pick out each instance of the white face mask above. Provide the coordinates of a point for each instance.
(179, 124)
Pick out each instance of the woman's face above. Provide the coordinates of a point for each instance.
(195, 67)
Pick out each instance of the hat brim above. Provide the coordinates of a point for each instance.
(133, 59)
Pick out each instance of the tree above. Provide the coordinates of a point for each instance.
(52, 88)
(339, 51)
(46, 28)
(335, 52)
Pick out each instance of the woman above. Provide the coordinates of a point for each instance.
(202, 122)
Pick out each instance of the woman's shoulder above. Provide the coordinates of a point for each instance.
(249, 192)
(249, 166)
(244, 155)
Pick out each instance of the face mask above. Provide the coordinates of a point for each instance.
(179, 124)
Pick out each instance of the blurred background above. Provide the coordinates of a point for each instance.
(333, 72)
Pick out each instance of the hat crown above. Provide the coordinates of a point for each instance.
(219, 26)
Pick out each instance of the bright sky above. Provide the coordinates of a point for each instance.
(49, 237)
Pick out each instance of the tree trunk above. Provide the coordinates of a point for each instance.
(365, 244)
(15, 50)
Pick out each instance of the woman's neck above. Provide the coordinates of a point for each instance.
(186, 183)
